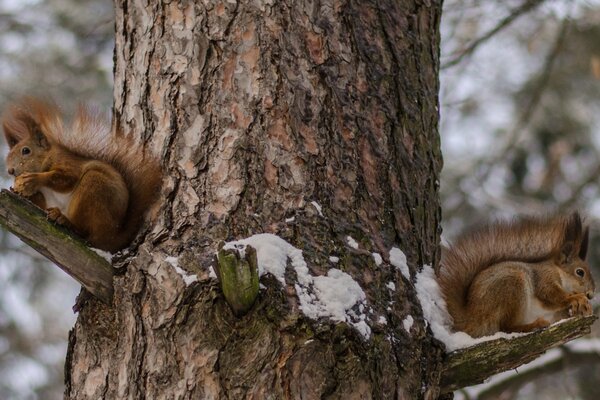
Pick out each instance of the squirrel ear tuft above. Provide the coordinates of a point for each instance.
(584, 243)
(39, 137)
(571, 239)
(14, 130)
(566, 253)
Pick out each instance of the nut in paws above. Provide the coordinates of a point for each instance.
(579, 305)
(26, 184)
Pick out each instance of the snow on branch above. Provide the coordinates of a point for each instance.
(70, 253)
(472, 365)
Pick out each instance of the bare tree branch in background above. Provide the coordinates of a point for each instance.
(508, 388)
(526, 7)
(484, 167)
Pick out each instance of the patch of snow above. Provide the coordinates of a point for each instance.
(435, 313)
(188, 278)
(174, 261)
(351, 242)
(334, 259)
(335, 296)
(391, 285)
(318, 207)
(211, 273)
(382, 320)
(377, 258)
(240, 247)
(407, 323)
(102, 253)
(398, 260)
(291, 219)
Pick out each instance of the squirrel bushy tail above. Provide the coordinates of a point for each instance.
(90, 136)
(529, 239)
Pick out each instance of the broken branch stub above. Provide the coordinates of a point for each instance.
(237, 270)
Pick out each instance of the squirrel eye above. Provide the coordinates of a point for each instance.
(580, 272)
(25, 150)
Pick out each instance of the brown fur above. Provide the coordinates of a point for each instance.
(493, 277)
(112, 181)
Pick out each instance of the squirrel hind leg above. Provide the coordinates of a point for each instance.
(535, 325)
(98, 208)
(495, 300)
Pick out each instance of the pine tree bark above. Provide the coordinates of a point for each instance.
(258, 109)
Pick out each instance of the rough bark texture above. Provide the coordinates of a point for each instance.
(260, 108)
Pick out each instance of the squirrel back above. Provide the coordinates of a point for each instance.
(516, 245)
(89, 137)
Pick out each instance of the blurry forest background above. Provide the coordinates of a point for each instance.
(520, 128)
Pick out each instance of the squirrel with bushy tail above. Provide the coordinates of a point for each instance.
(517, 276)
(95, 181)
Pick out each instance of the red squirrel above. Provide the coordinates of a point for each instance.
(94, 181)
(517, 276)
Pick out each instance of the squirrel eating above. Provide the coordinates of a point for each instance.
(95, 181)
(517, 276)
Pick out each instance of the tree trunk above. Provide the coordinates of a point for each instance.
(324, 111)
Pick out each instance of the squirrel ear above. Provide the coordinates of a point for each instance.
(572, 239)
(584, 243)
(39, 137)
(566, 253)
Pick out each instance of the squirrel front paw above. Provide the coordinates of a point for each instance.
(54, 214)
(579, 305)
(26, 184)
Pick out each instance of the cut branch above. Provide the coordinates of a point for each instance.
(238, 275)
(57, 244)
(473, 365)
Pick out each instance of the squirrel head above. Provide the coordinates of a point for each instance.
(572, 258)
(24, 126)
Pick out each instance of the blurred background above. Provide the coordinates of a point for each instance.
(60, 49)
(520, 127)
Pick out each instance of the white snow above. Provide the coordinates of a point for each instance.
(211, 273)
(351, 242)
(398, 260)
(104, 254)
(318, 207)
(290, 219)
(382, 320)
(377, 258)
(334, 259)
(391, 285)
(434, 311)
(335, 296)
(188, 279)
(272, 253)
(407, 323)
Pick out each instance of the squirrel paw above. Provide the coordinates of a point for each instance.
(26, 184)
(54, 214)
(579, 305)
